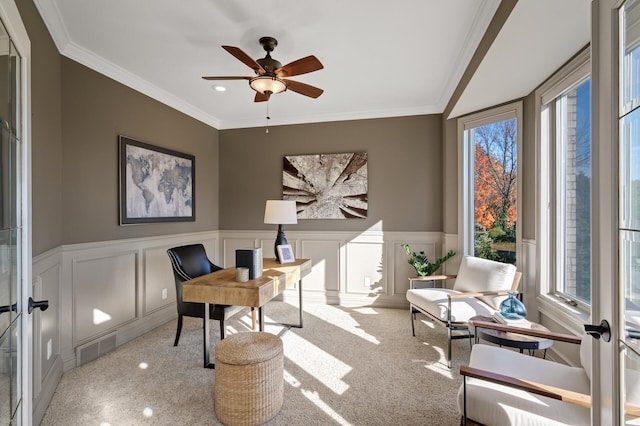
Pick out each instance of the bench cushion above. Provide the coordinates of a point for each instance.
(435, 302)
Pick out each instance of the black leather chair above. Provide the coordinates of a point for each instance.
(188, 262)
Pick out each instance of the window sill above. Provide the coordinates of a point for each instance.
(570, 317)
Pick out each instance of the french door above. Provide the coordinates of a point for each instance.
(628, 338)
(15, 255)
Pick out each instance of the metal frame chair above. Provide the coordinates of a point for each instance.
(480, 286)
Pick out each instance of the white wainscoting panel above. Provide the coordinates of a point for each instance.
(325, 275)
(104, 294)
(158, 279)
(48, 321)
(452, 242)
(527, 265)
(366, 267)
(230, 245)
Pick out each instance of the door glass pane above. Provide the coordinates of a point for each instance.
(630, 284)
(14, 91)
(495, 183)
(4, 77)
(15, 181)
(630, 171)
(9, 294)
(630, 57)
(8, 371)
(631, 386)
(7, 174)
(12, 359)
(5, 375)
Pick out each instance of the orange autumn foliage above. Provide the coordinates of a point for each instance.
(494, 191)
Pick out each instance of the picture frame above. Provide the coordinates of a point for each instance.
(309, 180)
(285, 253)
(156, 184)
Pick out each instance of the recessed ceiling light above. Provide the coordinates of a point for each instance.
(219, 88)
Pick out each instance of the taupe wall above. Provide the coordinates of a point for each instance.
(96, 110)
(405, 171)
(77, 115)
(46, 132)
(450, 176)
(528, 196)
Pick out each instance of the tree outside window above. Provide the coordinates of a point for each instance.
(495, 183)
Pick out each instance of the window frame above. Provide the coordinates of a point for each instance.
(552, 302)
(466, 214)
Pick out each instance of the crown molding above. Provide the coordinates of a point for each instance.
(338, 116)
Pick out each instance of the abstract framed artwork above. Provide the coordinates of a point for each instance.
(327, 186)
(156, 184)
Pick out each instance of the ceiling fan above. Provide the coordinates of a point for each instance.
(271, 77)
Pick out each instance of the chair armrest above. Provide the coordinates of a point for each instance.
(430, 278)
(544, 334)
(631, 410)
(478, 294)
(433, 278)
(554, 392)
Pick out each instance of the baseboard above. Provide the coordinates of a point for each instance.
(146, 324)
(345, 300)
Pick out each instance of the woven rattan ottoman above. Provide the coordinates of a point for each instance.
(249, 378)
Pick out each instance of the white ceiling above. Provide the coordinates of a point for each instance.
(381, 58)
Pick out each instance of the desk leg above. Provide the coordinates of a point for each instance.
(300, 302)
(299, 325)
(260, 319)
(205, 338)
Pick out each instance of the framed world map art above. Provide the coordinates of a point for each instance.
(156, 184)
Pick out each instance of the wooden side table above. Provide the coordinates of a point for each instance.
(437, 280)
(512, 340)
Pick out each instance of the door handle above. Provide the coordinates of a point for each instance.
(41, 304)
(597, 331)
(8, 308)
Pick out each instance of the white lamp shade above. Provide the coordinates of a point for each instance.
(280, 212)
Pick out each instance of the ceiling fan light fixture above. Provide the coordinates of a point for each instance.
(265, 83)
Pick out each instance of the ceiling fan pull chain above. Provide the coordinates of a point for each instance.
(268, 118)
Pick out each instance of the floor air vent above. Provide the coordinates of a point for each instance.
(93, 350)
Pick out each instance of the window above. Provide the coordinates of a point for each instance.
(565, 176)
(490, 183)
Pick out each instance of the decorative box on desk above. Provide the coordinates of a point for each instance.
(250, 258)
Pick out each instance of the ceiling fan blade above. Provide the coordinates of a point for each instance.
(301, 66)
(245, 59)
(303, 88)
(261, 97)
(228, 78)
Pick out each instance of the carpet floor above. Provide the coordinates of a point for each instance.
(347, 366)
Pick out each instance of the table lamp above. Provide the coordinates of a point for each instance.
(280, 212)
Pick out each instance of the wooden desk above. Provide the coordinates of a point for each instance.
(221, 288)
